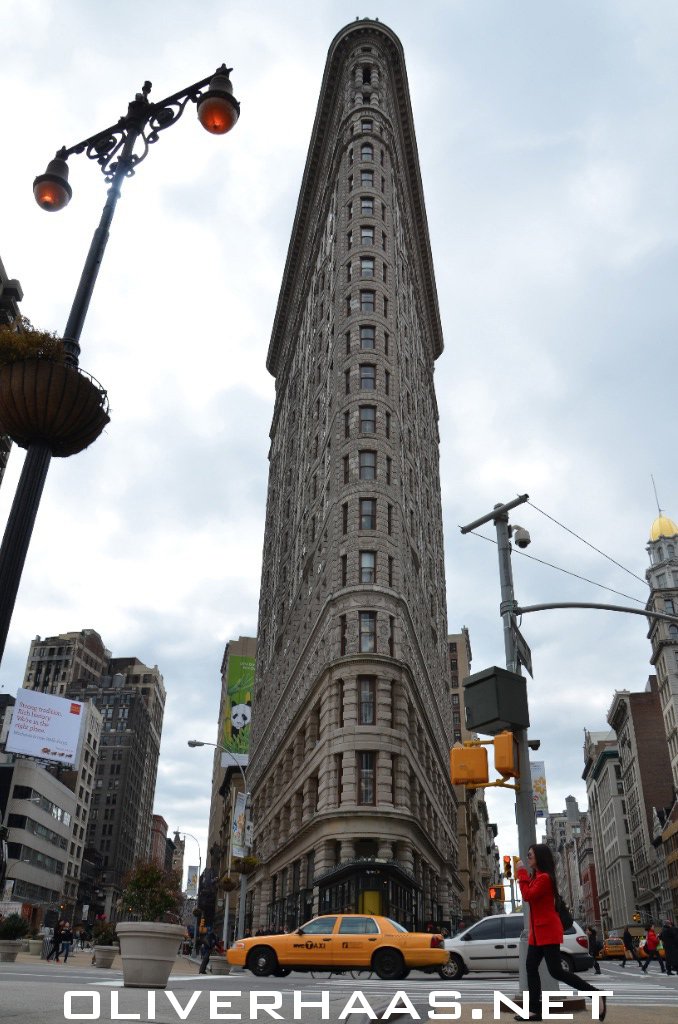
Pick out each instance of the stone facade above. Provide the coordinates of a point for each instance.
(609, 830)
(662, 578)
(351, 728)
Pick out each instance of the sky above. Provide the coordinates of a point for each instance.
(548, 138)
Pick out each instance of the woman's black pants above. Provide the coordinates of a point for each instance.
(535, 955)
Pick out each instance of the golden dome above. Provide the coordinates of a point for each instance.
(663, 527)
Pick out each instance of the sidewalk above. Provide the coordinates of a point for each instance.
(83, 958)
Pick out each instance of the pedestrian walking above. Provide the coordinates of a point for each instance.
(66, 940)
(627, 939)
(208, 945)
(669, 937)
(539, 888)
(651, 950)
(594, 947)
(55, 948)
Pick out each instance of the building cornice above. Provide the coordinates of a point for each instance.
(313, 185)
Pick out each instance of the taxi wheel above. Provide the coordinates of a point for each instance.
(388, 964)
(262, 961)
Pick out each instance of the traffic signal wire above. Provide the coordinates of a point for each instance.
(588, 544)
(559, 568)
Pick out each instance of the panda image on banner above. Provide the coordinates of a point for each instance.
(240, 717)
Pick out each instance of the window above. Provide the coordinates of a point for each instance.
(349, 239)
(367, 79)
(367, 206)
(391, 636)
(390, 570)
(388, 424)
(345, 465)
(346, 427)
(349, 274)
(321, 926)
(367, 336)
(366, 151)
(368, 514)
(366, 235)
(490, 928)
(387, 382)
(385, 342)
(367, 622)
(350, 155)
(367, 465)
(349, 206)
(367, 178)
(358, 926)
(347, 381)
(390, 519)
(344, 518)
(367, 266)
(348, 343)
(366, 125)
(344, 561)
(367, 686)
(366, 777)
(368, 376)
(385, 306)
(367, 301)
(388, 469)
(368, 566)
(342, 635)
(368, 419)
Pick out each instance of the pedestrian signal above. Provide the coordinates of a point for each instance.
(496, 893)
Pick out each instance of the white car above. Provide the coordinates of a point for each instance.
(492, 945)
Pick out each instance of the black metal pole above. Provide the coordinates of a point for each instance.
(26, 501)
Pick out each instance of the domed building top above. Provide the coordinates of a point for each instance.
(663, 527)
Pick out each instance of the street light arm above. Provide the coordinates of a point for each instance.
(602, 607)
(143, 119)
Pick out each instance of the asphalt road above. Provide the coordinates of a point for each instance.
(41, 993)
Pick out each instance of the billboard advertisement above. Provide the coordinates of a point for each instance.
(45, 726)
(541, 807)
(237, 710)
(192, 881)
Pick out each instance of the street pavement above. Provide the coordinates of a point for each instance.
(34, 992)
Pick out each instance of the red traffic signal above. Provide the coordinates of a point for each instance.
(507, 866)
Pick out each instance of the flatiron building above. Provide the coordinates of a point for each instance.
(351, 713)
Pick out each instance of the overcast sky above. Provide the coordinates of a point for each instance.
(548, 141)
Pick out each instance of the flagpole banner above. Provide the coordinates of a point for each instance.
(238, 832)
(192, 881)
(541, 806)
(238, 705)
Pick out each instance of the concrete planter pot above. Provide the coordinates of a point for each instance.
(35, 947)
(104, 955)
(9, 950)
(219, 964)
(148, 950)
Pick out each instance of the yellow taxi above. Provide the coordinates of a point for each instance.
(341, 942)
(613, 948)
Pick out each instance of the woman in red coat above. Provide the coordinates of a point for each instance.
(539, 889)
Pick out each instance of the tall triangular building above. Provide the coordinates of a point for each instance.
(351, 720)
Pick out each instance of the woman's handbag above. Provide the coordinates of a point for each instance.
(563, 912)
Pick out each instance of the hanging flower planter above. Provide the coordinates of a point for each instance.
(41, 400)
(228, 884)
(247, 865)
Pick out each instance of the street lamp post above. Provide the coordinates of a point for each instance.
(243, 878)
(197, 889)
(118, 150)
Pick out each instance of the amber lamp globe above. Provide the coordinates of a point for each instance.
(218, 109)
(51, 189)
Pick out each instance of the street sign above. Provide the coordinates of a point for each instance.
(523, 649)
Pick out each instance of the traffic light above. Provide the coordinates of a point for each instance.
(636, 917)
(507, 866)
(515, 865)
(468, 765)
(506, 755)
(496, 893)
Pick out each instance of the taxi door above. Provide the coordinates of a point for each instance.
(314, 947)
(356, 939)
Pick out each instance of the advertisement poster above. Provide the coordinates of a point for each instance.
(45, 727)
(238, 707)
(238, 831)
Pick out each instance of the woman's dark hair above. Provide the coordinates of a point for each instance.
(543, 858)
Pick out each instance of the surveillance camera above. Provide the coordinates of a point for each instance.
(534, 744)
(521, 536)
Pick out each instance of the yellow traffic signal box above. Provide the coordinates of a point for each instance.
(506, 755)
(468, 765)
